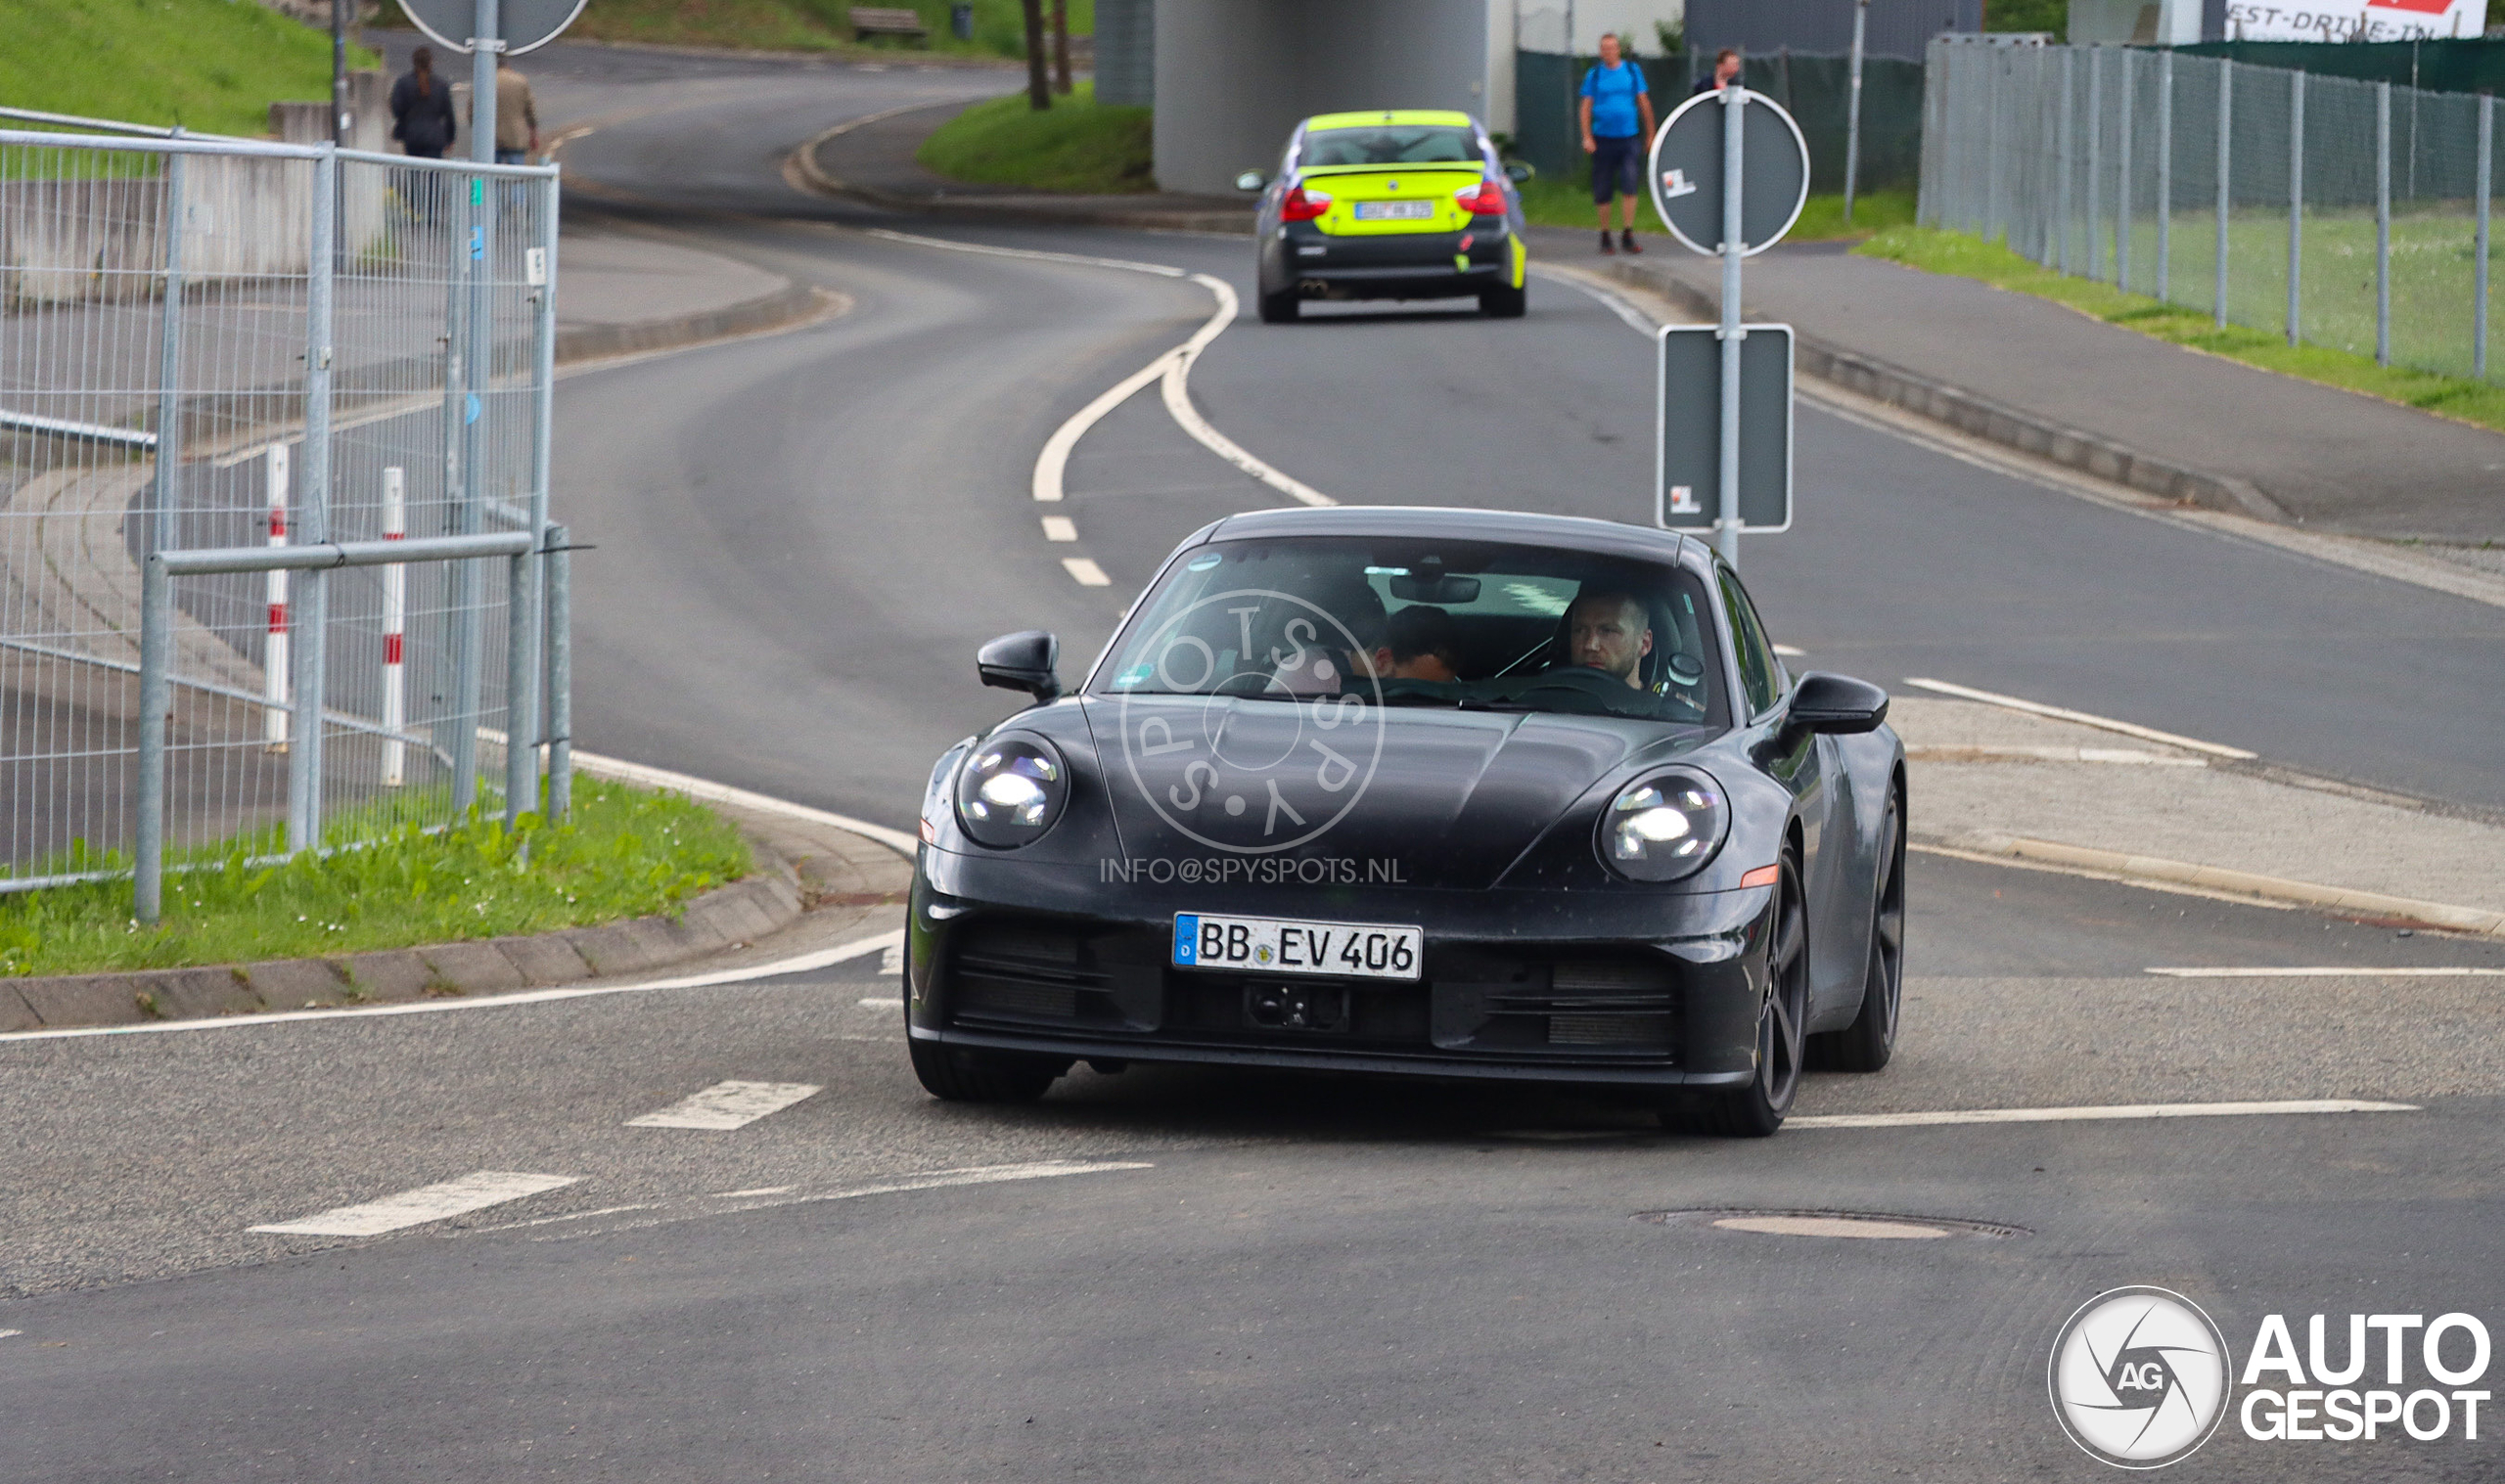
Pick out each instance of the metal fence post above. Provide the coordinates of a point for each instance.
(2478, 268)
(2165, 174)
(2296, 195)
(2066, 144)
(2095, 139)
(2226, 194)
(468, 583)
(2122, 178)
(156, 698)
(561, 673)
(2382, 224)
(1852, 110)
(523, 620)
(169, 366)
(1991, 143)
(305, 755)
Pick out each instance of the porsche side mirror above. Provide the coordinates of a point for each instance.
(1519, 173)
(1251, 180)
(1838, 704)
(1022, 661)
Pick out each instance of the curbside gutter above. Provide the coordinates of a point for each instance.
(788, 305)
(1980, 416)
(767, 900)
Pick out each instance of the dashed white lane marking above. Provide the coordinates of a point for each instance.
(1059, 528)
(2083, 718)
(728, 1105)
(2332, 972)
(1085, 570)
(887, 1001)
(413, 1208)
(797, 963)
(2095, 1114)
(892, 958)
(1788, 651)
(1830, 1226)
(763, 1189)
(9, 1334)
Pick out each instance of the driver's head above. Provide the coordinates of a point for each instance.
(1609, 631)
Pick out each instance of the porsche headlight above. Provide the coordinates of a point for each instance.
(1011, 789)
(1665, 827)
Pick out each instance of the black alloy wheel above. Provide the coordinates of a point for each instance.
(1756, 1110)
(1870, 1040)
(965, 1074)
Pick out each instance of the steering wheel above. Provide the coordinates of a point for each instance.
(1600, 684)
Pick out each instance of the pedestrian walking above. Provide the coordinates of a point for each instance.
(516, 121)
(422, 121)
(1726, 71)
(1617, 114)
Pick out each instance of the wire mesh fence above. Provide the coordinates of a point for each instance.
(213, 343)
(2337, 213)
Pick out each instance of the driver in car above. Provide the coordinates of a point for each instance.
(1609, 631)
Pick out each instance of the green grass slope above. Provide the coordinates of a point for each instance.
(1075, 146)
(806, 26)
(215, 65)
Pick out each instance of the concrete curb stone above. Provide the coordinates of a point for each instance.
(765, 902)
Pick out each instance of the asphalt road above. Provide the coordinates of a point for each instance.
(1162, 1274)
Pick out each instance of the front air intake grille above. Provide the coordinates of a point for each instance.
(1012, 970)
(1613, 1029)
(1616, 1006)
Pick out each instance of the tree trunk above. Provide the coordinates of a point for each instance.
(1040, 95)
(1061, 46)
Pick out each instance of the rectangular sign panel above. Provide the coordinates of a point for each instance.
(1688, 467)
(2354, 19)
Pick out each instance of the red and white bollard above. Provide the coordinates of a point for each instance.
(274, 677)
(395, 609)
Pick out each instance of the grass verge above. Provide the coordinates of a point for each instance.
(1077, 145)
(624, 853)
(1565, 200)
(1955, 252)
(207, 65)
(803, 25)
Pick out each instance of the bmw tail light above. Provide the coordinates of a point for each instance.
(1486, 199)
(1302, 204)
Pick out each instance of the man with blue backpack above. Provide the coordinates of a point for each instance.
(1617, 114)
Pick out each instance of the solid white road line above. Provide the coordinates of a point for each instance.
(723, 793)
(728, 1105)
(2083, 718)
(2332, 972)
(1178, 404)
(1085, 571)
(2096, 1115)
(892, 958)
(1993, 753)
(1059, 528)
(1055, 459)
(763, 1189)
(797, 963)
(412, 1208)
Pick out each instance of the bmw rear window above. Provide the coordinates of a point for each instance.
(1392, 144)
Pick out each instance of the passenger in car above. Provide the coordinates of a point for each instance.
(1419, 643)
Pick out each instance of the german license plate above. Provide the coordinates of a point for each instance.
(1394, 210)
(1286, 946)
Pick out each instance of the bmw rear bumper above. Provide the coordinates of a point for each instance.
(1631, 990)
(1403, 265)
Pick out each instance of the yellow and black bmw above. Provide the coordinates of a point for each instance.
(1399, 204)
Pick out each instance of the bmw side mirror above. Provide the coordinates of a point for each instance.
(1838, 704)
(1251, 180)
(1519, 173)
(1022, 661)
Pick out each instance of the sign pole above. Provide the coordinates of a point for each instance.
(478, 365)
(1726, 519)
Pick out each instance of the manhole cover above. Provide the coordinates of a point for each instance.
(1878, 1226)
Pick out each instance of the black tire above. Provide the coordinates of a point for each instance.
(1870, 1040)
(1504, 303)
(1281, 308)
(963, 1074)
(1756, 1110)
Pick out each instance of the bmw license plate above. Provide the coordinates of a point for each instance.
(1394, 210)
(1285, 946)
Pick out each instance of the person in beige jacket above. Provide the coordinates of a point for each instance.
(516, 121)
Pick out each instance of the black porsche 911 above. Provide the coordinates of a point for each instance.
(1457, 793)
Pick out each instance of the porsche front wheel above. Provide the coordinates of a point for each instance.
(1756, 1110)
(1870, 1040)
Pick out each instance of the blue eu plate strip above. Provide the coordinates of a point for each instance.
(1187, 938)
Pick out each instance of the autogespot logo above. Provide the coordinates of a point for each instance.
(2140, 1377)
(1243, 731)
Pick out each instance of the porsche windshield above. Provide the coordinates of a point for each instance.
(1406, 623)
(1390, 144)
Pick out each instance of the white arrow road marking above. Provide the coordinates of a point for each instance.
(415, 1208)
(2093, 1115)
(728, 1105)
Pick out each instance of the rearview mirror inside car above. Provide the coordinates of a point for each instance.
(1835, 704)
(1438, 588)
(1022, 661)
(1517, 172)
(1251, 180)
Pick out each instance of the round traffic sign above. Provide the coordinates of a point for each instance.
(526, 24)
(1686, 172)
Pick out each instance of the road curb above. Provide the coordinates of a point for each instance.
(1980, 416)
(788, 305)
(768, 899)
(2157, 870)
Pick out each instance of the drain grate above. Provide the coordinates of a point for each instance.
(1879, 1225)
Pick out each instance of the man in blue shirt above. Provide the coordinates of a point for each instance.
(1616, 114)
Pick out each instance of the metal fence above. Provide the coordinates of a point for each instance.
(209, 344)
(2337, 213)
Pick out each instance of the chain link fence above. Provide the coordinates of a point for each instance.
(2339, 212)
(214, 344)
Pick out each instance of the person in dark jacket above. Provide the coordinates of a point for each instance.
(422, 121)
